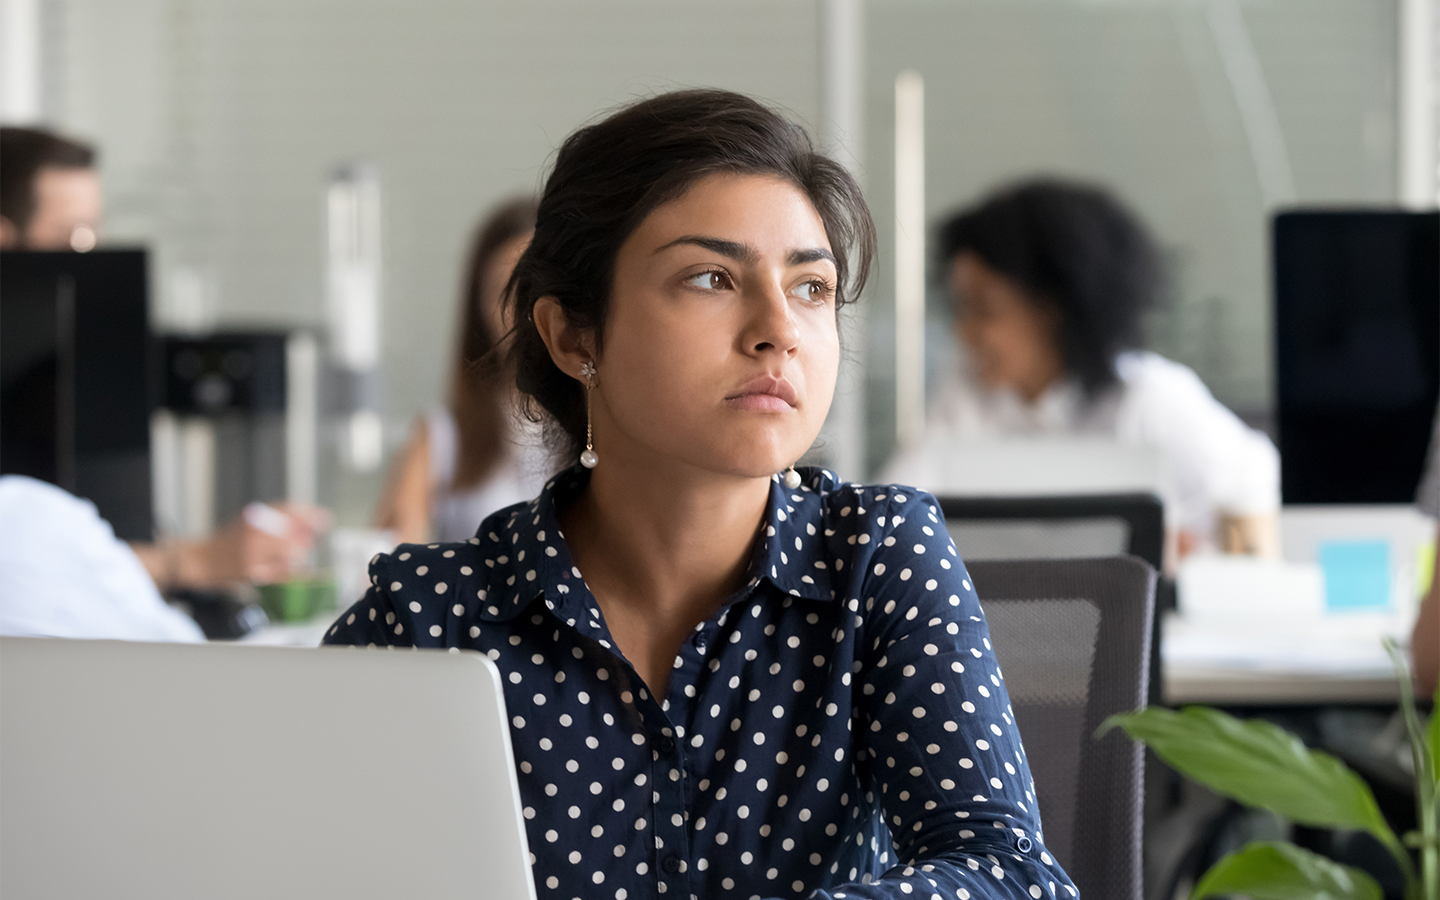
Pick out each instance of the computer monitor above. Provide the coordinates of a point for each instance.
(1357, 352)
(76, 379)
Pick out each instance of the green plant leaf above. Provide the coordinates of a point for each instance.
(1259, 764)
(1281, 871)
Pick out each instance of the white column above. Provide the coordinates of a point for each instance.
(842, 84)
(353, 280)
(909, 257)
(19, 61)
(1253, 100)
(302, 418)
(842, 125)
(1418, 141)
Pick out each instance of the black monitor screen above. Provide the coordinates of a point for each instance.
(75, 378)
(1357, 352)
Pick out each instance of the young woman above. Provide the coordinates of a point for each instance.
(726, 677)
(1050, 281)
(467, 458)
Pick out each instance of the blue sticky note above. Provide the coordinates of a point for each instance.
(1357, 575)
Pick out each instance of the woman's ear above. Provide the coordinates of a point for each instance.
(569, 347)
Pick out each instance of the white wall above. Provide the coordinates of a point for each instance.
(220, 120)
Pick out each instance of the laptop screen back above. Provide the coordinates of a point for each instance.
(167, 771)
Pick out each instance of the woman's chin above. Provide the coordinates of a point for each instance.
(754, 465)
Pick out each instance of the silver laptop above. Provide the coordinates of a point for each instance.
(211, 771)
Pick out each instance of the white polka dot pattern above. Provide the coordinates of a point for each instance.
(839, 729)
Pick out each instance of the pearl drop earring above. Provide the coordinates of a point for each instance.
(792, 478)
(588, 457)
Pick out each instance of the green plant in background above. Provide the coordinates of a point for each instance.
(1260, 764)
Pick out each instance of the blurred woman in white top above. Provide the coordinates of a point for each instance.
(1050, 281)
(473, 455)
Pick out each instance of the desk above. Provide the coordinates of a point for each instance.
(294, 634)
(1199, 666)
(1220, 686)
(1205, 665)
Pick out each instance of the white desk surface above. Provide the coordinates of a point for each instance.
(292, 634)
(1199, 666)
(1260, 632)
(1219, 686)
(1246, 668)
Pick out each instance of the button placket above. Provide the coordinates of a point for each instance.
(672, 845)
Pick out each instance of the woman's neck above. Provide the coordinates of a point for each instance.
(664, 540)
(660, 548)
(1046, 373)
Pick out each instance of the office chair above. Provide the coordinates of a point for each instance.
(1071, 526)
(1073, 640)
(1060, 527)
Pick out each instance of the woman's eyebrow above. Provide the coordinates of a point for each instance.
(814, 254)
(741, 253)
(746, 253)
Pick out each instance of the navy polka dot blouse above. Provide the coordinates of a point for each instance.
(839, 728)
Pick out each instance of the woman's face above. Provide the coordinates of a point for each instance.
(721, 348)
(1011, 337)
(493, 312)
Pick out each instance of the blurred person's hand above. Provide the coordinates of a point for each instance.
(263, 545)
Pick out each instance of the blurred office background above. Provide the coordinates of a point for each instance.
(221, 123)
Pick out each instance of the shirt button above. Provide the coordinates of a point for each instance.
(667, 746)
(699, 643)
(671, 864)
(1023, 844)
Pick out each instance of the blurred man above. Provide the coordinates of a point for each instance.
(49, 192)
(50, 199)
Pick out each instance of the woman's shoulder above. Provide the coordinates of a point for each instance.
(851, 507)
(1168, 397)
(885, 539)
(830, 489)
(441, 444)
(1146, 373)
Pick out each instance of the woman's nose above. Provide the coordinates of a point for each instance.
(771, 325)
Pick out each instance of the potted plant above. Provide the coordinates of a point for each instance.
(1262, 765)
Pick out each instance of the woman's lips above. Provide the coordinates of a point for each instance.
(761, 402)
(765, 394)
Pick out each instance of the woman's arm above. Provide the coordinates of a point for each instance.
(1223, 475)
(404, 507)
(1425, 640)
(1253, 534)
(935, 731)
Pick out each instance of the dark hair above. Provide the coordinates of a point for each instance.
(1074, 248)
(477, 396)
(23, 153)
(610, 175)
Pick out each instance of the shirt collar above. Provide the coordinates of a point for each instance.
(532, 560)
(792, 553)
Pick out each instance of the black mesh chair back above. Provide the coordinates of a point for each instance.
(1073, 640)
(1065, 527)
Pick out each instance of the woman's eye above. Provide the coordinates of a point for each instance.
(813, 291)
(709, 281)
